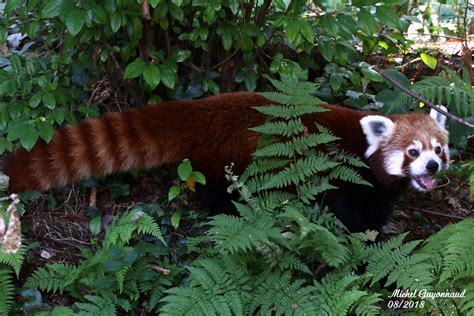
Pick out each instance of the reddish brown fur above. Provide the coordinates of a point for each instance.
(416, 126)
(212, 132)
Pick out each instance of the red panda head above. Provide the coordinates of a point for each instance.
(410, 146)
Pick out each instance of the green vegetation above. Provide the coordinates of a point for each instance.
(283, 254)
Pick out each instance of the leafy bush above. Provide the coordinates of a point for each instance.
(178, 48)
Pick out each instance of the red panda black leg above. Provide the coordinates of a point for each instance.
(361, 208)
(216, 199)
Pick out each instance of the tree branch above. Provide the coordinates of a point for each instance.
(420, 98)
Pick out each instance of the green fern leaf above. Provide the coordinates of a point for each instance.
(7, 290)
(14, 260)
(96, 305)
(54, 278)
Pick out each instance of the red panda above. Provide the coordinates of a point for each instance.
(401, 150)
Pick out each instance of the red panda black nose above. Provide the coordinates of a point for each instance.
(432, 166)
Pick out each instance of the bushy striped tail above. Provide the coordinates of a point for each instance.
(96, 147)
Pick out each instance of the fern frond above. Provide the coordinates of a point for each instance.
(412, 272)
(287, 111)
(261, 166)
(347, 174)
(123, 228)
(120, 277)
(54, 278)
(97, 305)
(300, 171)
(291, 86)
(147, 225)
(383, 258)
(58, 311)
(290, 262)
(308, 191)
(297, 145)
(14, 260)
(339, 293)
(232, 234)
(331, 248)
(281, 128)
(279, 295)
(466, 304)
(368, 305)
(7, 290)
(215, 290)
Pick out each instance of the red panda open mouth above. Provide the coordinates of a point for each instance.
(425, 181)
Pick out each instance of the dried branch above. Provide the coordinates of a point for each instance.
(420, 98)
(146, 10)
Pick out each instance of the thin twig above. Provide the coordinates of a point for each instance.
(420, 98)
(433, 212)
(159, 269)
(435, 35)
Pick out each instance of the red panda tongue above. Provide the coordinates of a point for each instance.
(427, 181)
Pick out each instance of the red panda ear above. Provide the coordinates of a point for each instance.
(438, 117)
(375, 128)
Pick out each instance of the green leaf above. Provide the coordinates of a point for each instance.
(99, 12)
(14, 129)
(52, 9)
(3, 34)
(12, 5)
(4, 145)
(227, 39)
(175, 219)
(182, 55)
(5, 87)
(185, 169)
(250, 81)
(429, 61)
(75, 21)
(199, 177)
(234, 6)
(335, 81)
(387, 16)
(48, 100)
(16, 63)
(329, 25)
(366, 22)
(135, 68)
(168, 76)
(115, 21)
(45, 130)
(174, 191)
(154, 3)
(35, 100)
(177, 13)
(372, 75)
(291, 30)
(94, 225)
(307, 31)
(326, 48)
(152, 75)
(28, 137)
(209, 15)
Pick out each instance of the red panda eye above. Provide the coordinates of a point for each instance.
(438, 150)
(413, 152)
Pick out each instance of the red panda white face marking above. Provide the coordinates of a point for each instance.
(413, 146)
